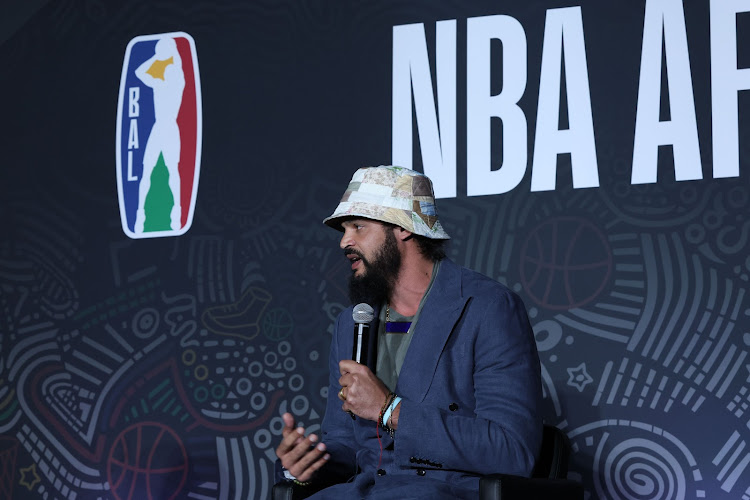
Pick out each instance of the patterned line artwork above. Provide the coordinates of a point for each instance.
(634, 459)
(659, 315)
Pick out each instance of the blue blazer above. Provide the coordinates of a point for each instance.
(471, 390)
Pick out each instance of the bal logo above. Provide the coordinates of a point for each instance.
(159, 130)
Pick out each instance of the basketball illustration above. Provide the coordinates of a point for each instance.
(565, 263)
(147, 460)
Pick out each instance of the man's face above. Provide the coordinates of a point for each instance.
(375, 259)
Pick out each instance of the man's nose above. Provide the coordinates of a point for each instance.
(346, 240)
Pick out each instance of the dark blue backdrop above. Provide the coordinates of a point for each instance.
(159, 368)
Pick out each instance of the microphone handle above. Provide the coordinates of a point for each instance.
(359, 351)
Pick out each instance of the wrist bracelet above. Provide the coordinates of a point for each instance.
(392, 406)
(387, 403)
(289, 477)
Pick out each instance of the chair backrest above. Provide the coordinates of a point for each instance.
(554, 455)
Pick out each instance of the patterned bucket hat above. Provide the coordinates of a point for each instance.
(391, 194)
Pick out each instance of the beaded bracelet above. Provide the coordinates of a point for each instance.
(388, 399)
(385, 413)
(289, 477)
(390, 430)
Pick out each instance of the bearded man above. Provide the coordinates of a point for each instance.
(452, 390)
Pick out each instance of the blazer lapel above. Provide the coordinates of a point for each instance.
(439, 315)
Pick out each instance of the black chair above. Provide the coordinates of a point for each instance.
(548, 479)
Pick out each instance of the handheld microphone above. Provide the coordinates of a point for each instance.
(362, 315)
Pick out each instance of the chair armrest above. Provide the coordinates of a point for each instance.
(287, 490)
(509, 487)
(282, 491)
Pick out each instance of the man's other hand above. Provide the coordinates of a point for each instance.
(301, 456)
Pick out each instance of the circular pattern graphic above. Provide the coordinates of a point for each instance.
(243, 386)
(639, 468)
(145, 323)
(300, 405)
(189, 357)
(633, 460)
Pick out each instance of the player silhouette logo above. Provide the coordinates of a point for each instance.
(158, 135)
(163, 73)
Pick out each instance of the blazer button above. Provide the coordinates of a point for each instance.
(421, 472)
(381, 472)
(412, 459)
(453, 407)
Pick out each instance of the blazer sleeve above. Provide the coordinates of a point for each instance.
(503, 432)
(337, 428)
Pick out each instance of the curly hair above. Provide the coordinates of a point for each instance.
(431, 248)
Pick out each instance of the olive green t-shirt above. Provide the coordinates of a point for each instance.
(392, 347)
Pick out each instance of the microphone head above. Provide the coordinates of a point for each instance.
(363, 313)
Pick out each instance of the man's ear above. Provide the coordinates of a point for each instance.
(403, 235)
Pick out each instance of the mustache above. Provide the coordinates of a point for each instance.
(349, 252)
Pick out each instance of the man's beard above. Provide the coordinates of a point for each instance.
(375, 285)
